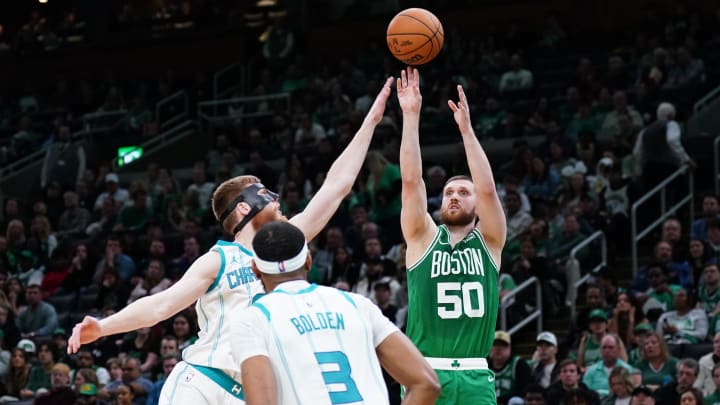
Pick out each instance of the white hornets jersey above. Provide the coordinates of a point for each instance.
(320, 341)
(233, 290)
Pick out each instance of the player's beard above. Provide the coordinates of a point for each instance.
(266, 216)
(460, 218)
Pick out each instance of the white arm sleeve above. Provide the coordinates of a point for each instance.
(250, 335)
(673, 140)
(381, 326)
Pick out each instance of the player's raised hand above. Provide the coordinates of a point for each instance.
(461, 111)
(84, 332)
(408, 90)
(377, 110)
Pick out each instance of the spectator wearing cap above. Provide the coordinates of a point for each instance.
(382, 299)
(597, 376)
(87, 394)
(669, 394)
(60, 393)
(588, 351)
(41, 373)
(117, 194)
(684, 324)
(710, 211)
(640, 332)
(38, 318)
(512, 373)
(642, 395)
(86, 359)
(568, 383)
(706, 366)
(581, 324)
(544, 364)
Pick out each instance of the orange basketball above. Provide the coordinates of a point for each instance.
(415, 36)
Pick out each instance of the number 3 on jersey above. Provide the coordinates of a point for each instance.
(336, 370)
(455, 299)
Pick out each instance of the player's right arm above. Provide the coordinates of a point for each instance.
(417, 226)
(259, 381)
(403, 361)
(148, 311)
(249, 335)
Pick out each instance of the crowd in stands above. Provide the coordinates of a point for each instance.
(93, 241)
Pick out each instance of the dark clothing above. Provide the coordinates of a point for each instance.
(555, 393)
(57, 396)
(667, 394)
(655, 147)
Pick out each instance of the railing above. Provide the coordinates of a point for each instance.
(716, 164)
(218, 111)
(603, 262)
(163, 139)
(665, 212)
(172, 110)
(706, 100)
(104, 120)
(509, 299)
(228, 80)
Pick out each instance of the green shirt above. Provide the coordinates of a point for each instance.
(713, 399)
(385, 200)
(453, 298)
(665, 298)
(592, 352)
(38, 378)
(505, 378)
(707, 299)
(656, 377)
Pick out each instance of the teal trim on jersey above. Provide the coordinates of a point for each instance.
(221, 270)
(237, 245)
(220, 326)
(177, 379)
(223, 380)
(305, 290)
(202, 311)
(427, 251)
(262, 309)
(256, 297)
(348, 297)
(285, 363)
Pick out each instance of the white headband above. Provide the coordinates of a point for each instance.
(284, 266)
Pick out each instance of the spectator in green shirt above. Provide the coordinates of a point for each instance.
(714, 398)
(657, 364)
(40, 373)
(383, 188)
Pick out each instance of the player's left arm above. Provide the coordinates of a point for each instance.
(259, 381)
(343, 172)
(489, 209)
(248, 336)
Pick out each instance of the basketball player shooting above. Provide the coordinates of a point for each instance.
(452, 269)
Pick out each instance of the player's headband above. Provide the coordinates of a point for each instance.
(284, 266)
(251, 196)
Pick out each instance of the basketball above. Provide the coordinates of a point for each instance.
(415, 36)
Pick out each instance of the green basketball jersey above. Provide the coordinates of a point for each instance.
(505, 378)
(453, 298)
(592, 352)
(713, 399)
(708, 299)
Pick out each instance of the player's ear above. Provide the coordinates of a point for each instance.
(308, 262)
(255, 270)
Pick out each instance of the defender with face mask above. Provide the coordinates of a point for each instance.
(221, 280)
